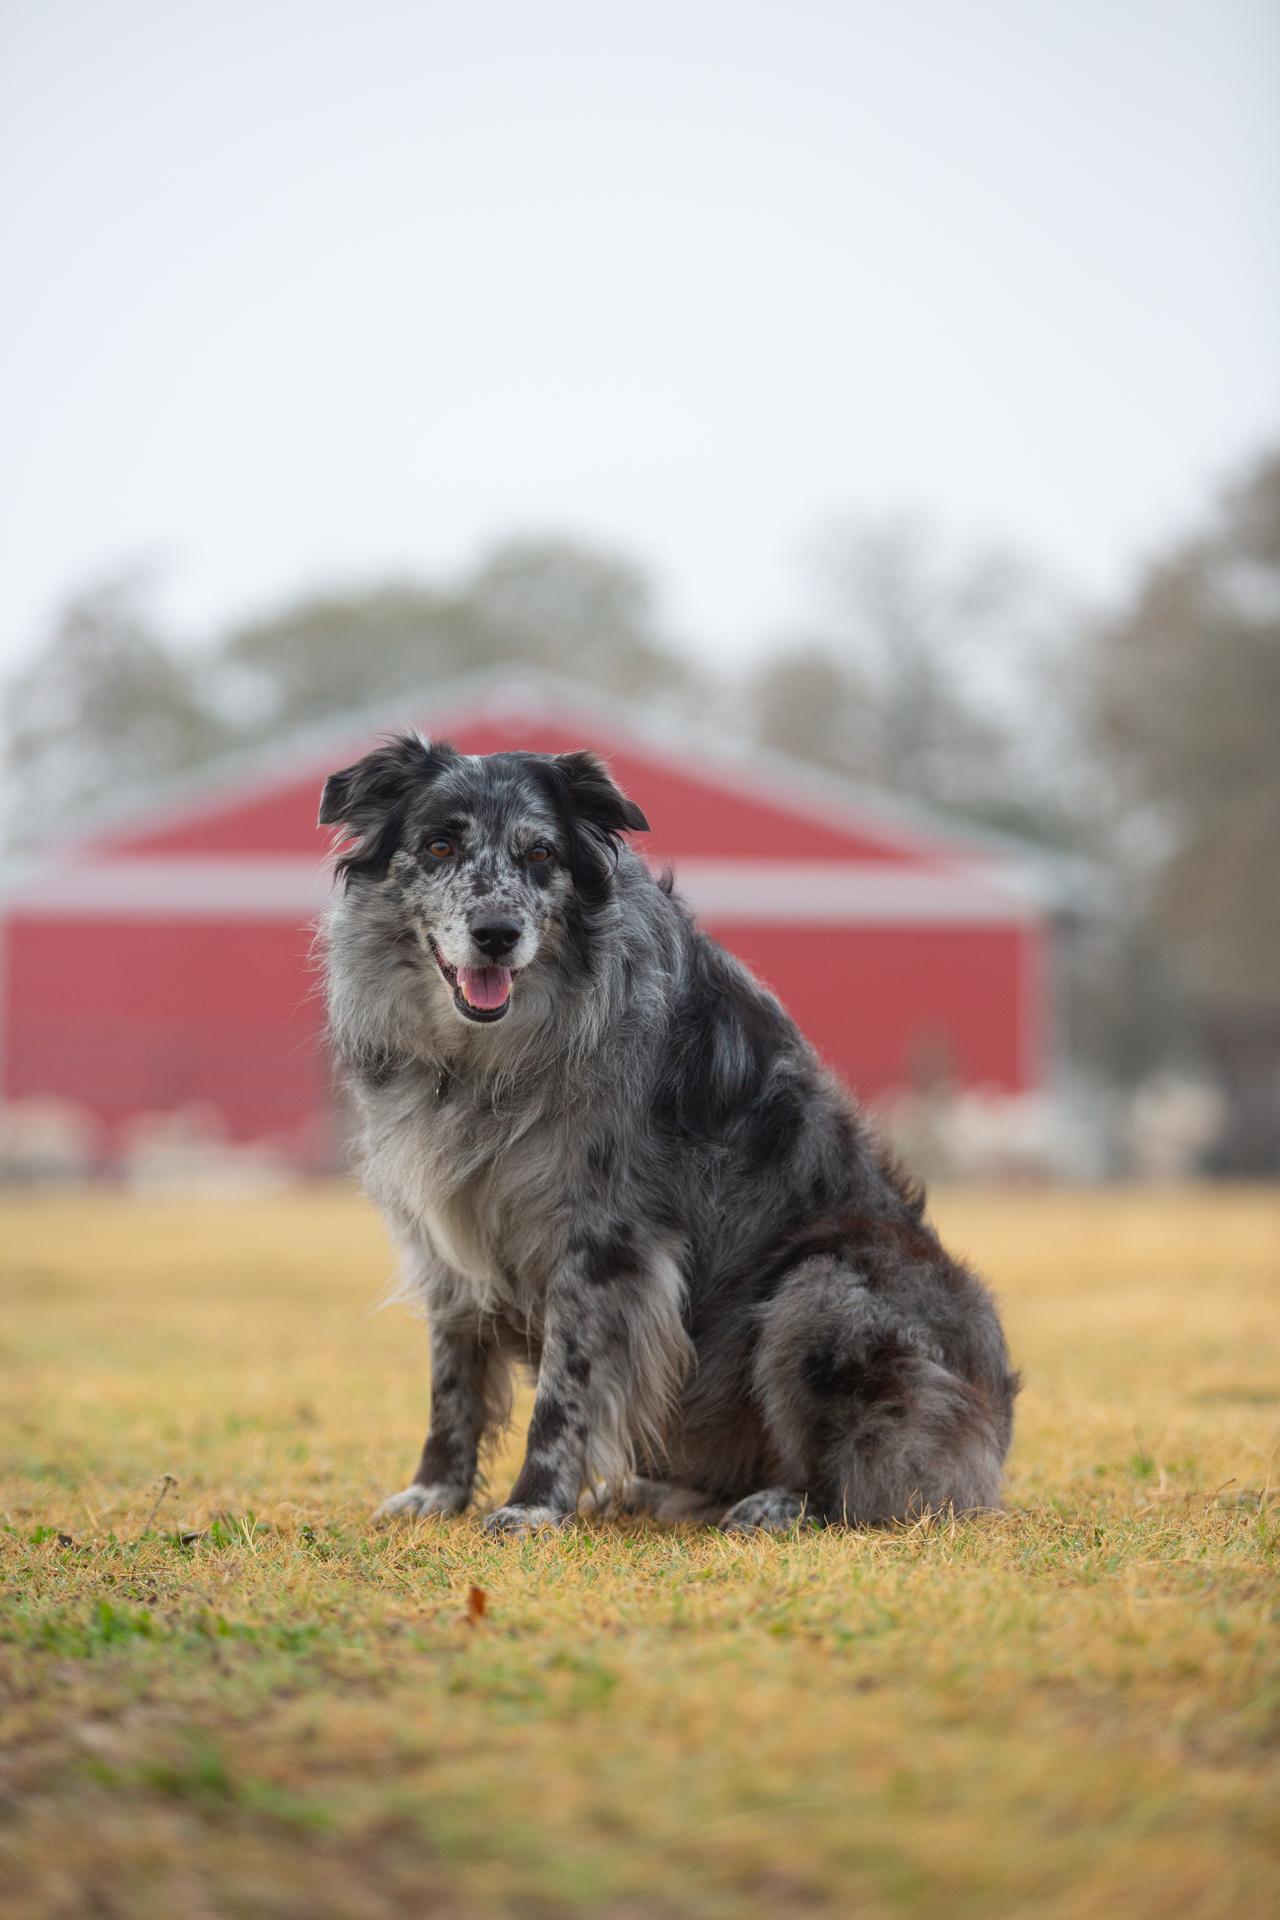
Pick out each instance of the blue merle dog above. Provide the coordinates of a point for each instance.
(607, 1153)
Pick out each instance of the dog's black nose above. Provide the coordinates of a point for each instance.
(496, 937)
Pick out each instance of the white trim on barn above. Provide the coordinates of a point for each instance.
(837, 893)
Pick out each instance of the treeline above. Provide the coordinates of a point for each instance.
(1146, 740)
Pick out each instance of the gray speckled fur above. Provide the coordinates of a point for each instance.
(639, 1182)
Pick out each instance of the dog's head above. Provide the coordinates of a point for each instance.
(497, 863)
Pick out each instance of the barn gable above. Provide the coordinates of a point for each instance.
(251, 829)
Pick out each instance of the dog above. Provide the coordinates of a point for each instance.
(607, 1152)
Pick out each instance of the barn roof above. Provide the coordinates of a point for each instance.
(817, 821)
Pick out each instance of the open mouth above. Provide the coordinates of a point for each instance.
(479, 993)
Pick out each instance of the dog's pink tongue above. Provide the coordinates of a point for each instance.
(485, 987)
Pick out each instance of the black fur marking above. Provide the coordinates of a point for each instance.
(577, 1364)
(441, 1459)
(549, 1421)
(771, 1127)
(538, 1482)
(376, 1068)
(724, 1033)
(579, 930)
(870, 1377)
(607, 1257)
(601, 1157)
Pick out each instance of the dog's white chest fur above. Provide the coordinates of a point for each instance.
(476, 1196)
(458, 1234)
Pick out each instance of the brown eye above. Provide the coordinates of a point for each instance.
(440, 849)
(538, 854)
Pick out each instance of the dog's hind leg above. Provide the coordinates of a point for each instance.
(772, 1510)
(867, 1419)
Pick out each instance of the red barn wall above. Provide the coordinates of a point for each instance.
(885, 1004)
(130, 1016)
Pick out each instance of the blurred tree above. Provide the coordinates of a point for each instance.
(807, 702)
(928, 676)
(104, 707)
(543, 602)
(1185, 694)
(580, 608)
(331, 652)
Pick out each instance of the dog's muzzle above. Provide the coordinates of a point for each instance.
(481, 993)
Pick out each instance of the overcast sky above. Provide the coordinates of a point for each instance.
(300, 293)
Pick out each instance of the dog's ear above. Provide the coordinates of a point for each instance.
(370, 799)
(591, 793)
(595, 813)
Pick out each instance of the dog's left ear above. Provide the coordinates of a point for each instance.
(590, 791)
(370, 799)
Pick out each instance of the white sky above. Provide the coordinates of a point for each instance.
(300, 292)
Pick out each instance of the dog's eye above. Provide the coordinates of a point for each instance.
(440, 849)
(539, 853)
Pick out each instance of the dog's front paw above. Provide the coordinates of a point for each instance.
(524, 1519)
(420, 1503)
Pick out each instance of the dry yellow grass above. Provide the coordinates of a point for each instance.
(1068, 1711)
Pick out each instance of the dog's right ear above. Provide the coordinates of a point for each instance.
(370, 799)
(593, 796)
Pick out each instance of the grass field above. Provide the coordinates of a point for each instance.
(1068, 1710)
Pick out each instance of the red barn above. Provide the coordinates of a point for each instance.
(163, 960)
